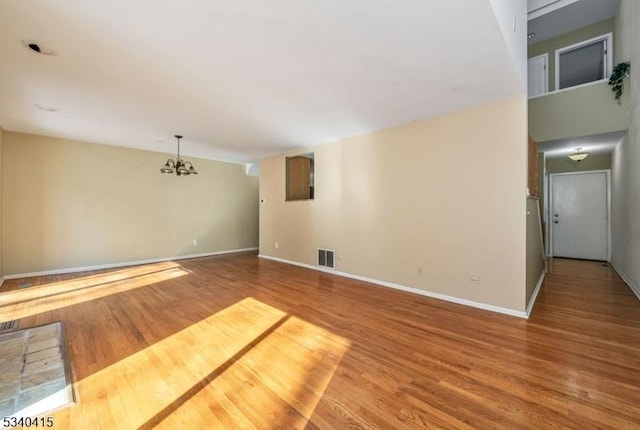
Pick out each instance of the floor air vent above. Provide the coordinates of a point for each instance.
(8, 325)
(325, 258)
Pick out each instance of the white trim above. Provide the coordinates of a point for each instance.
(122, 264)
(550, 227)
(634, 288)
(452, 299)
(545, 217)
(1, 282)
(549, 7)
(609, 228)
(608, 37)
(539, 218)
(534, 296)
(588, 84)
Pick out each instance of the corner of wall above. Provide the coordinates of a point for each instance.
(511, 15)
(381, 205)
(115, 207)
(625, 162)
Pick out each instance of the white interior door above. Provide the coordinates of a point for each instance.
(537, 75)
(579, 209)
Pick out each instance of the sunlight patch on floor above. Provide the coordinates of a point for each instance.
(296, 363)
(249, 365)
(23, 303)
(52, 288)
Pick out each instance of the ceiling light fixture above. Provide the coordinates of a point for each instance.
(578, 156)
(181, 167)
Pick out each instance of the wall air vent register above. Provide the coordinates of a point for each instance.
(326, 258)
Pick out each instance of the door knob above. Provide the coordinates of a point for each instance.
(556, 222)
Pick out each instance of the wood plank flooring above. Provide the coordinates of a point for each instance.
(238, 342)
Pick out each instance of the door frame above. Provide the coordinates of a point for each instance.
(546, 72)
(549, 210)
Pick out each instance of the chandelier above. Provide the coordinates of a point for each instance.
(181, 167)
(578, 155)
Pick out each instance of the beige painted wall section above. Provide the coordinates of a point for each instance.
(566, 165)
(625, 163)
(576, 36)
(446, 194)
(69, 204)
(622, 37)
(1, 170)
(535, 257)
(581, 111)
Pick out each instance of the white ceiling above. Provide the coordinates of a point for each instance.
(244, 79)
(575, 15)
(603, 143)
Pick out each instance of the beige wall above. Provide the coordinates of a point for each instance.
(535, 258)
(1, 170)
(431, 194)
(625, 162)
(575, 112)
(592, 162)
(69, 204)
(576, 36)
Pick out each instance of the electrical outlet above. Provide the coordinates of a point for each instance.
(419, 270)
(474, 278)
(276, 245)
(195, 242)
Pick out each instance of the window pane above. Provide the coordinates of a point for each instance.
(582, 65)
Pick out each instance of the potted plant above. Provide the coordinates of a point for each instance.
(620, 71)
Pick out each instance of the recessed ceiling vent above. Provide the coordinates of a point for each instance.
(38, 47)
(326, 258)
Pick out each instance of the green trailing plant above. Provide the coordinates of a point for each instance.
(616, 81)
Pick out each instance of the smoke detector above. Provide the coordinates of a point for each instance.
(38, 47)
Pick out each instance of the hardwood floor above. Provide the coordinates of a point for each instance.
(238, 342)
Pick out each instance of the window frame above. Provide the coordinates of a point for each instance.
(608, 37)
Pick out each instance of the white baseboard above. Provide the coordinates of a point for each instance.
(452, 299)
(122, 264)
(627, 280)
(534, 296)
